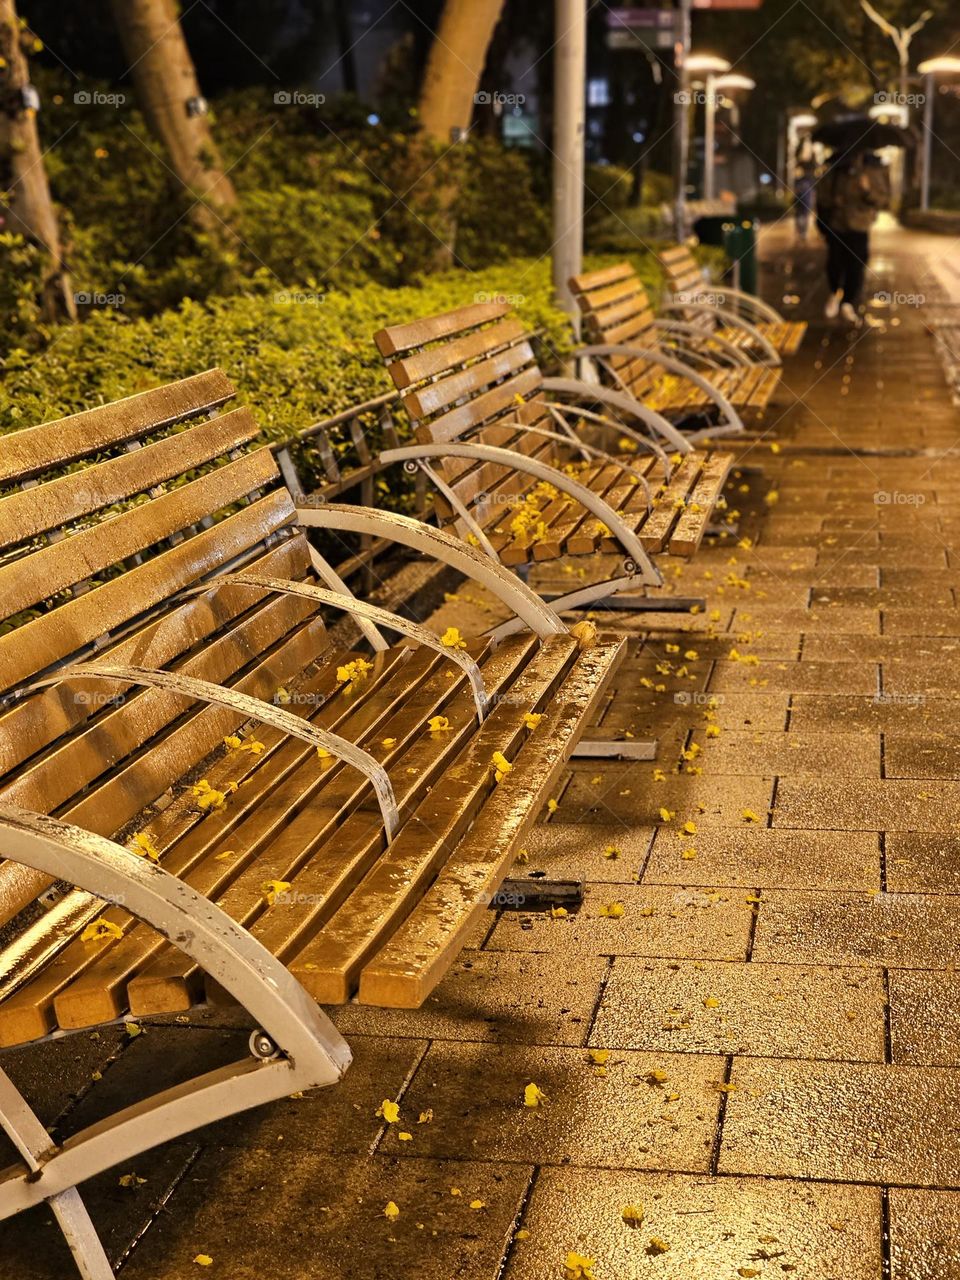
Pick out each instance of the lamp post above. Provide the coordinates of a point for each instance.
(709, 66)
(570, 54)
(930, 69)
(734, 83)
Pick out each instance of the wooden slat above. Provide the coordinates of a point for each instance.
(182, 837)
(46, 572)
(43, 641)
(476, 378)
(658, 524)
(482, 408)
(329, 966)
(591, 280)
(408, 967)
(403, 337)
(436, 360)
(692, 523)
(33, 450)
(48, 506)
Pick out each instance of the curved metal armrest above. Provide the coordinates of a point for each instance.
(510, 461)
(248, 707)
(568, 437)
(751, 303)
(194, 924)
(373, 613)
(623, 403)
(724, 345)
(733, 321)
(673, 366)
(437, 543)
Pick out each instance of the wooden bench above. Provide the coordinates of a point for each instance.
(517, 479)
(627, 340)
(202, 798)
(741, 318)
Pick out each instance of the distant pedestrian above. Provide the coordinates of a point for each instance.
(850, 194)
(805, 184)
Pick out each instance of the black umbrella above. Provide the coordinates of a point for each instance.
(861, 133)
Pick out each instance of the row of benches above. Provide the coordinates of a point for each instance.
(205, 796)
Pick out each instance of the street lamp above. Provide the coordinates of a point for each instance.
(933, 67)
(709, 66)
(733, 84)
(798, 123)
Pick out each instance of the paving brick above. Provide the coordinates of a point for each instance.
(715, 1227)
(618, 1119)
(894, 929)
(924, 1017)
(695, 922)
(755, 857)
(924, 1234)
(577, 851)
(497, 996)
(788, 1011)
(834, 620)
(843, 1122)
(923, 863)
(855, 804)
(883, 648)
(326, 1218)
(907, 714)
(934, 755)
(797, 677)
(630, 794)
(780, 754)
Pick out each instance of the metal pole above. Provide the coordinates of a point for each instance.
(569, 95)
(709, 133)
(680, 140)
(927, 142)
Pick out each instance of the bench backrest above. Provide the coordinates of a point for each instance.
(683, 274)
(471, 375)
(105, 518)
(617, 310)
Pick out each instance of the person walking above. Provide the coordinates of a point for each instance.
(850, 194)
(805, 183)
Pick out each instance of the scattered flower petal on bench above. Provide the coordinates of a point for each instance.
(531, 719)
(452, 639)
(439, 724)
(143, 847)
(100, 930)
(272, 889)
(501, 765)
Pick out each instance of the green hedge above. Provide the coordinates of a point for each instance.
(296, 361)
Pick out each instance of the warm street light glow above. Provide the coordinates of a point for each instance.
(943, 66)
(706, 64)
(732, 82)
(803, 120)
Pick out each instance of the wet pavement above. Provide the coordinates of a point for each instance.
(752, 1069)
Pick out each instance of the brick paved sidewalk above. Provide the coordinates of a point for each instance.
(760, 1054)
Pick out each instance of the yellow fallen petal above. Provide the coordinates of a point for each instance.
(391, 1211)
(203, 1260)
(533, 1095)
(144, 847)
(711, 1002)
(559, 913)
(667, 814)
(632, 1214)
(438, 724)
(553, 806)
(477, 1204)
(578, 1266)
(749, 816)
(657, 1245)
(405, 1137)
(613, 910)
(611, 851)
(388, 742)
(599, 1056)
(452, 639)
(100, 931)
(531, 719)
(272, 889)
(390, 1111)
(688, 855)
(689, 828)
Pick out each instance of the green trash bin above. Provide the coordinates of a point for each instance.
(740, 243)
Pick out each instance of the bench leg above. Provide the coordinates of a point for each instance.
(31, 1139)
(625, 603)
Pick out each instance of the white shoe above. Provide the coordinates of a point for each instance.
(832, 309)
(849, 313)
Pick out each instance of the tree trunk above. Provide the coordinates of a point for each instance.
(169, 95)
(28, 208)
(455, 66)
